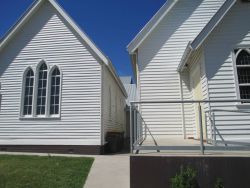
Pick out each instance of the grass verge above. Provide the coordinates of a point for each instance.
(43, 172)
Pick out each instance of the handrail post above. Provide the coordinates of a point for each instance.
(131, 129)
(214, 129)
(211, 125)
(201, 130)
(135, 125)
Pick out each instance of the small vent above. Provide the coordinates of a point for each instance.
(70, 150)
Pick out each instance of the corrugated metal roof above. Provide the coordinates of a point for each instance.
(126, 79)
(130, 88)
(132, 93)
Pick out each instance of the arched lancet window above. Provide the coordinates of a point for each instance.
(243, 72)
(55, 91)
(28, 92)
(42, 89)
(110, 104)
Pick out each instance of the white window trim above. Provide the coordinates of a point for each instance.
(23, 93)
(110, 104)
(36, 89)
(47, 115)
(235, 70)
(49, 92)
(116, 113)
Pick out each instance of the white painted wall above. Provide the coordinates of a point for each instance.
(197, 74)
(158, 58)
(47, 36)
(190, 110)
(233, 32)
(114, 110)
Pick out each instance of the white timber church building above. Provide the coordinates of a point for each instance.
(197, 50)
(59, 92)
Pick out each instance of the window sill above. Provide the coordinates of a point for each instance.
(243, 105)
(40, 118)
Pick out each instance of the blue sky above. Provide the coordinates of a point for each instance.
(111, 24)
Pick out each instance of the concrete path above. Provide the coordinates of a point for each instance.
(110, 171)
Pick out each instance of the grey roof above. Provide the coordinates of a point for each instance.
(130, 88)
(126, 79)
(132, 93)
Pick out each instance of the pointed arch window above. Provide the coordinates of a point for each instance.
(41, 92)
(28, 92)
(55, 86)
(243, 72)
(110, 104)
(42, 89)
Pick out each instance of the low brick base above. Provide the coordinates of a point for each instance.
(157, 171)
(60, 149)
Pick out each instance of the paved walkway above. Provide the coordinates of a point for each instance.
(109, 171)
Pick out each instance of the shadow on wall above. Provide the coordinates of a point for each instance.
(31, 29)
(156, 40)
(23, 38)
(225, 38)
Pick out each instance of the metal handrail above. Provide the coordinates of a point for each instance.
(141, 140)
(214, 129)
(192, 101)
(133, 103)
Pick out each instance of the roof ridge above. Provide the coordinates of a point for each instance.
(34, 7)
(152, 23)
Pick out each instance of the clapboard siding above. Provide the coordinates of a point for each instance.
(158, 58)
(114, 115)
(233, 32)
(47, 36)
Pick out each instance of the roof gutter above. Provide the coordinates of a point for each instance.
(133, 64)
(213, 23)
(90, 43)
(205, 32)
(187, 53)
(19, 23)
(31, 10)
(117, 79)
(150, 26)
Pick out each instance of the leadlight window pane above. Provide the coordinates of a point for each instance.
(244, 75)
(28, 94)
(55, 91)
(243, 58)
(244, 92)
(243, 71)
(42, 89)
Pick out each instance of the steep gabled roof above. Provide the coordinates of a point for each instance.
(34, 7)
(205, 32)
(149, 27)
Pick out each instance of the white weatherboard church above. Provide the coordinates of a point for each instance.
(59, 92)
(195, 50)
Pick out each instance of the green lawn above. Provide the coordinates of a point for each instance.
(43, 172)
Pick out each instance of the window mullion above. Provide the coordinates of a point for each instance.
(47, 111)
(47, 95)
